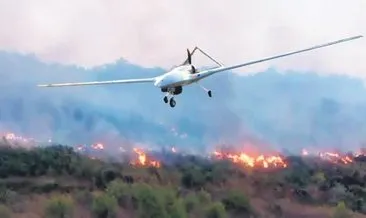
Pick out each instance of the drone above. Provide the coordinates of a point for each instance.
(173, 81)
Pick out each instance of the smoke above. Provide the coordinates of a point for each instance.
(269, 109)
(95, 32)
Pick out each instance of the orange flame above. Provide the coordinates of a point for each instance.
(253, 161)
(143, 160)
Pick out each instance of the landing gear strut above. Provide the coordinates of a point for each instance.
(209, 92)
(170, 98)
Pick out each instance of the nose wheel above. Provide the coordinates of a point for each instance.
(172, 102)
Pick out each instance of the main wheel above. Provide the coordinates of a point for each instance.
(172, 102)
(166, 99)
(209, 94)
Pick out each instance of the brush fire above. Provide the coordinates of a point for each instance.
(247, 159)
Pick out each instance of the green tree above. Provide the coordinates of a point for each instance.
(193, 178)
(120, 190)
(83, 197)
(173, 205)
(238, 202)
(150, 202)
(341, 211)
(4, 211)
(215, 210)
(191, 202)
(59, 207)
(104, 206)
(204, 197)
(318, 178)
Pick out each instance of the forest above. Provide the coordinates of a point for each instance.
(58, 182)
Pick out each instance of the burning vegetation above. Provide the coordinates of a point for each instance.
(232, 183)
(268, 160)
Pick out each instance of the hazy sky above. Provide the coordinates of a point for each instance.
(156, 33)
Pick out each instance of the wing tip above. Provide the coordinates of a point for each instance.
(44, 85)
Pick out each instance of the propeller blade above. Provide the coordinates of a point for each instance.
(193, 69)
(189, 57)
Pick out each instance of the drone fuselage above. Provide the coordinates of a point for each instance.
(177, 77)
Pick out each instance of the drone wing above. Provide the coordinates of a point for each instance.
(145, 80)
(219, 69)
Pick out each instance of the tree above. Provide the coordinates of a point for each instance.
(4, 211)
(59, 207)
(191, 202)
(237, 202)
(104, 206)
(150, 203)
(215, 210)
(119, 190)
(341, 211)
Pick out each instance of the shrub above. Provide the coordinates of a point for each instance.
(337, 193)
(149, 202)
(173, 205)
(318, 178)
(120, 190)
(84, 197)
(4, 211)
(215, 210)
(191, 202)
(237, 202)
(204, 197)
(59, 207)
(193, 178)
(341, 211)
(104, 206)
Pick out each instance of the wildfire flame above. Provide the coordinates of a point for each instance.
(243, 158)
(142, 159)
(334, 157)
(251, 160)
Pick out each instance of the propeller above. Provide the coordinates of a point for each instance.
(189, 59)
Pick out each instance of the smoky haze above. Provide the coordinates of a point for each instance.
(272, 109)
(95, 32)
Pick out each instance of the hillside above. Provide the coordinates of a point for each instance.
(56, 181)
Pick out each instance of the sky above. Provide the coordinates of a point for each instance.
(156, 34)
(313, 99)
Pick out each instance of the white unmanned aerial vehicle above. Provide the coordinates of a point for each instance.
(185, 74)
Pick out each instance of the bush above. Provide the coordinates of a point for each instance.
(59, 207)
(149, 202)
(337, 193)
(193, 178)
(173, 205)
(104, 206)
(318, 178)
(4, 211)
(120, 190)
(191, 202)
(341, 211)
(204, 197)
(84, 197)
(215, 210)
(237, 202)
